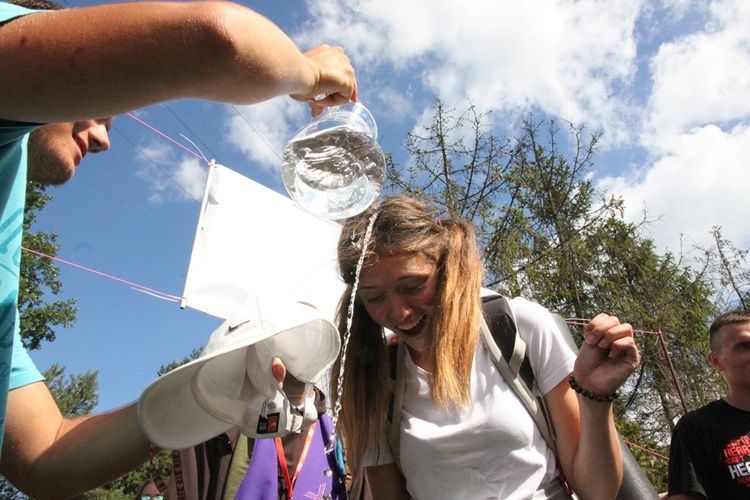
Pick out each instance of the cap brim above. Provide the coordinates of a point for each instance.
(171, 413)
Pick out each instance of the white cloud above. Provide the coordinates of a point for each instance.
(704, 77)
(169, 178)
(670, 79)
(261, 131)
(697, 133)
(699, 182)
(394, 104)
(563, 56)
(191, 176)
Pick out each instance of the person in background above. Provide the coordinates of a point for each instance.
(463, 432)
(148, 491)
(710, 449)
(266, 469)
(85, 65)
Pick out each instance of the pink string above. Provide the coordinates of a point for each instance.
(166, 136)
(135, 285)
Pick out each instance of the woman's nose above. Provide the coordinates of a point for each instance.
(398, 309)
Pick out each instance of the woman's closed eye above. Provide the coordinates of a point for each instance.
(374, 298)
(412, 288)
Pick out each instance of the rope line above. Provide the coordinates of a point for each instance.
(131, 115)
(99, 273)
(652, 452)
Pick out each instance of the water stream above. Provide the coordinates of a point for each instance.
(349, 315)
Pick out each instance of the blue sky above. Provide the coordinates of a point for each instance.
(667, 83)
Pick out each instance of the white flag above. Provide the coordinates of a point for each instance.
(251, 239)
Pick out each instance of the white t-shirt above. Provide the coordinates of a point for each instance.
(492, 449)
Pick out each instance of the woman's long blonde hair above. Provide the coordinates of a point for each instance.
(406, 226)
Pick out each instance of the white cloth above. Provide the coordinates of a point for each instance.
(492, 449)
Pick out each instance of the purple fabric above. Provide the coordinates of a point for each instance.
(261, 480)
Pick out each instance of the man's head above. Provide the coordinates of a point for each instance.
(56, 150)
(727, 318)
(730, 348)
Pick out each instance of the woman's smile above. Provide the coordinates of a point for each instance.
(398, 292)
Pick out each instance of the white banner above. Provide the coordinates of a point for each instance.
(251, 239)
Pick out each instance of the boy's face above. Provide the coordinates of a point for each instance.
(732, 354)
(56, 150)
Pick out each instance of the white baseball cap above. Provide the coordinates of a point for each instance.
(230, 383)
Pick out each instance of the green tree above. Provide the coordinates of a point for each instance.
(76, 396)
(549, 235)
(39, 275)
(728, 261)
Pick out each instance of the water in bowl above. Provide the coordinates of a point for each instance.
(334, 173)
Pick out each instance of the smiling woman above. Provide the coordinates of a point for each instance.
(421, 279)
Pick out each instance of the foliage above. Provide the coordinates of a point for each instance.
(176, 364)
(727, 261)
(39, 277)
(75, 397)
(549, 235)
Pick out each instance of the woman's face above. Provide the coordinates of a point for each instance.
(398, 293)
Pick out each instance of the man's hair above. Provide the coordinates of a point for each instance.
(727, 318)
(37, 4)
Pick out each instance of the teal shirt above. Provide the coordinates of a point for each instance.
(16, 367)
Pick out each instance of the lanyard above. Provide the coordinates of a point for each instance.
(282, 460)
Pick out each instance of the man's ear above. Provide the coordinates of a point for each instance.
(278, 370)
(715, 361)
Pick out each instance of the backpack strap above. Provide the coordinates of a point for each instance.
(508, 352)
(203, 468)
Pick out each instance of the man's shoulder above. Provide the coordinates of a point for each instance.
(708, 414)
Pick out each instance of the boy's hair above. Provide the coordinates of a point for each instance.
(37, 4)
(727, 318)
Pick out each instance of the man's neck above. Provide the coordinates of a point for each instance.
(738, 399)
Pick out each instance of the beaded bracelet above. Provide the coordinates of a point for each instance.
(593, 397)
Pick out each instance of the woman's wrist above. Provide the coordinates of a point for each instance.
(598, 398)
